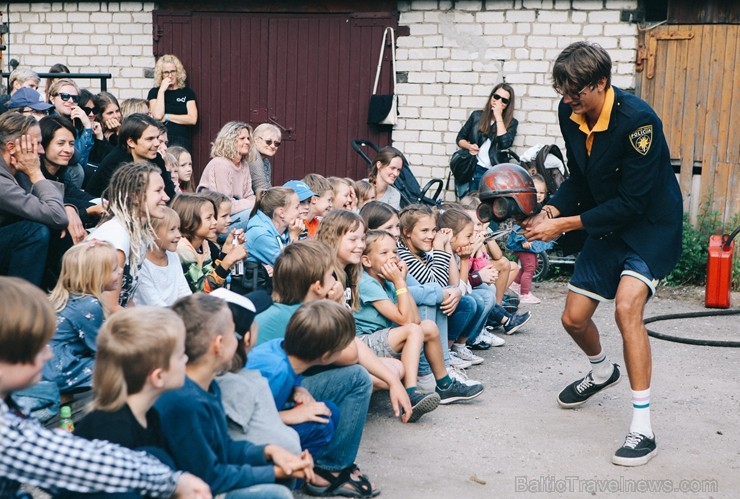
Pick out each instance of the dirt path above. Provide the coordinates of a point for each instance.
(514, 441)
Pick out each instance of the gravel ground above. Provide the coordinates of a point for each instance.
(514, 441)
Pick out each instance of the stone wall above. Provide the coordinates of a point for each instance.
(88, 37)
(454, 57)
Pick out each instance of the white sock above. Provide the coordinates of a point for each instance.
(641, 413)
(601, 368)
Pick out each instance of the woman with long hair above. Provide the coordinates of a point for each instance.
(171, 102)
(488, 132)
(228, 170)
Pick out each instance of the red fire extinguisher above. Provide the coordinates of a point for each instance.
(719, 270)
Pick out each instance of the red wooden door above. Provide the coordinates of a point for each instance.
(309, 74)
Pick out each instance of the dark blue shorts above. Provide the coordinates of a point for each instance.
(602, 263)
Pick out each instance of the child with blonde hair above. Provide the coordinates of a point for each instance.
(161, 280)
(342, 190)
(389, 323)
(196, 429)
(58, 461)
(365, 193)
(141, 355)
(183, 167)
(89, 269)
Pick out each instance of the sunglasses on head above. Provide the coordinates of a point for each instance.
(502, 99)
(271, 142)
(66, 97)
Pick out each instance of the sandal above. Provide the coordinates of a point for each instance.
(361, 486)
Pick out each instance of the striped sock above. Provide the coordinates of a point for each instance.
(601, 368)
(641, 413)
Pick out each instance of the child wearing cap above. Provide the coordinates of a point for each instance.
(321, 203)
(305, 195)
(250, 409)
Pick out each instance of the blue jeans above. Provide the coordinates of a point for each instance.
(458, 324)
(24, 247)
(436, 315)
(262, 491)
(315, 437)
(485, 297)
(350, 388)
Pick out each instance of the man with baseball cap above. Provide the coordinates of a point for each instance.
(28, 101)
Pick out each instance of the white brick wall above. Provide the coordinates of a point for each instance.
(465, 51)
(88, 37)
(453, 58)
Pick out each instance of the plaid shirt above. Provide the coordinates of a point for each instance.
(56, 460)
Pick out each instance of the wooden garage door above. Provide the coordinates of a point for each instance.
(690, 76)
(309, 74)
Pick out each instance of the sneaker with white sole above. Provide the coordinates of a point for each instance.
(516, 288)
(577, 393)
(529, 298)
(516, 321)
(463, 352)
(637, 450)
(491, 338)
(457, 392)
(480, 343)
(456, 361)
(462, 376)
(426, 383)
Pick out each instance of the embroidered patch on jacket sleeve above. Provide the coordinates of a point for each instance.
(642, 138)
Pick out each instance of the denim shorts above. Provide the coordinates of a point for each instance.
(601, 265)
(378, 343)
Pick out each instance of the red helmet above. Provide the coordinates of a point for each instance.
(507, 190)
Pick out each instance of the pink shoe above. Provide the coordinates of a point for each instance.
(516, 288)
(529, 298)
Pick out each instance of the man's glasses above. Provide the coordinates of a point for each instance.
(271, 142)
(66, 97)
(501, 98)
(574, 96)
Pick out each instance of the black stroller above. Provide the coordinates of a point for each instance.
(406, 183)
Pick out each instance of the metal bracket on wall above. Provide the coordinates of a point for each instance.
(648, 53)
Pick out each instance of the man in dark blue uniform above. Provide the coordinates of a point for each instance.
(622, 191)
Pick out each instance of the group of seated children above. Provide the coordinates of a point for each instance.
(364, 297)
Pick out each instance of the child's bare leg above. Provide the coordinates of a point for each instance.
(408, 340)
(433, 349)
(502, 281)
(395, 366)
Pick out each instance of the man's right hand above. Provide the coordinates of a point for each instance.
(25, 158)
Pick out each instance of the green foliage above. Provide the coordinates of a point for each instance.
(692, 267)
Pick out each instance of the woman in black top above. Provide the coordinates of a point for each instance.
(171, 102)
(487, 133)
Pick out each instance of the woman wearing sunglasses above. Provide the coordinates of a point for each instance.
(266, 141)
(171, 102)
(487, 133)
(64, 95)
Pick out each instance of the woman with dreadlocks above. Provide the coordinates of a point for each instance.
(135, 196)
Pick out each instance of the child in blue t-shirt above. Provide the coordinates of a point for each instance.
(316, 335)
(388, 322)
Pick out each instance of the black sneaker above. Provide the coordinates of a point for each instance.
(510, 303)
(421, 403)
(636, 450)
(578, 392)
(516, 321)
(458, 391)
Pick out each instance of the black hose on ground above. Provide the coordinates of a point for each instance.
(693, 341)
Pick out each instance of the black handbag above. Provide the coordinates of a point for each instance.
(255, 277)
(383, 109)
(462, 165)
